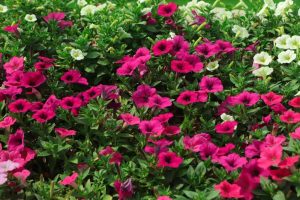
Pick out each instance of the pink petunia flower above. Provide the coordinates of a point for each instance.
(162, 47)
(163, 118)
(167, 10)
(16, 141)
(19, 106)
(211, 84)
(156, 101)
(270, 157)
(290, 117)
(228, 190)
(295, 102)
(245, 98)
(33, 79)
(158, 146)
(142, 94)
(43, 115)
(164, 198)
(288, 162)
(64, 132)
(116, 158)
(12, 29)
(124, 189)
(152, 127)
(253, 150)
(271, 98)
(207, 49)
(278, 108)
(296, 134)
(171, 130)
(187, 97)
(169, 159)
(70, 102)
(179, 45)
(279, 174)
(14, 64)
(106, 151)
(226, 127)
(225, 46)
(130, 119)
(73, 76)
(193, 143)
(232, 162)
(207, 150)
(22, 175)
(7, 122)
(70, 180)
(181, 66)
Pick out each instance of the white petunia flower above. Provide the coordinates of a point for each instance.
(226, 117)
(146, 10)
(3, 9)
(101, 7)
(172, 35)
(240, 31)
(286, 56)
(283, 8)
(88, 10)
(281, 42)
(270, 4)
(30, 18)
(238, 13)
(263, 72)
(262, 58)
(81, 3)
(294, 42)
(221, 13)
(212, 66)
(77, 54)
(298, 94)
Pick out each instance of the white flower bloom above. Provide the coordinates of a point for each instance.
(238, 13)
(270, 4)
(172, 35)
(81, 3)
(101, 7)
(294, 42)
(77, 54)
(212, 66)
(281, 42)
(298, 94)
(240, 31)
(88, 10)
(299, 12)
(298, 63)
(263, 13)
(262, 58)
(286, 56)
(283, 8)
(146, 10)
(221, 14)
(30, 18)
(3, 9)
(110, 5)
(263, 72)
(226, 117)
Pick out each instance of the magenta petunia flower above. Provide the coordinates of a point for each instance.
(187, 97)
(171, 130)
(179, 45)
(124, 189)
(70, 102)
(64, 132)
(296, 134)
(70, 180)
(12, 29)
(43, 115)
(164, 198)
(225, 46)
(278, 108)
(16, 141)
(288, 162)
(73, 76)
(211, 84)
(193, 143)
(232, 162)
(228, 190)
(116, 158)
(270, 157)
(106, 151)
(152, 127)
(207, 49)
(130, 119)
(245, 98)
(62, 24)
(158, 146)
(279, 174)
(271, 98)
(206, 150)
(19, 106)
(169, 159)
(142, 94)
(253, 149)
(33, 79)
(21, 175)
(162, 47)
(14, 79)
(295, 102)
(272, 141)
(181, 66)
(167, 10)
(127, 69)
(14, 64)
(290, 117)
(40, 66)
(163, 118)
(226, 127)
(142, 55)
(7, 122)
(156, 101)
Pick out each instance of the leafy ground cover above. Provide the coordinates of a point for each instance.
(149, 100)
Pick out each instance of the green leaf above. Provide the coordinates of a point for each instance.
(279, 196)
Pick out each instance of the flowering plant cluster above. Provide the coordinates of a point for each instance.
(150, 100)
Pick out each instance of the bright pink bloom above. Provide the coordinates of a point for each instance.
(207, 150)
(69, 180)
(290, 117)
(19, 106)
(70, 102)
(33, 79)
(279, 174)
(271, 98)
(7, 122)
(12, 29)
(192, 59)
(22, 175)
(211, 84)
(14, 64)
(296, 134)
(232, 162)
(252, 47)
(142, 55)
(73, 76)
(253, 150)
(193, 143)
(171, 130)
(187, 97)
(116, 158)
(288, 162)
(225, 46)
(278, 108)
(51, 103)
(181, 66)
(163, 118)
(46, 59)
(228, 190)
(270, 157)
(164, 198)
(272, 141)
(207, 49)
(159, 146)
(16, 141)
(40, 66)
(106, 151)
(56, 16)
(14, 79)
(142, 94)
(169, 159)
(64, 132)
(295, 102)
(150, 20)
(226, 127)
(152, 127)
(130, 119)
(124, 189)
(162, 47)
(43, 115)
(156, 101)
(246, 98)
(167, 10)
(179, 45)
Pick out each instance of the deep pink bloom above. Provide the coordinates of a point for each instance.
(106, 151)
(192, 59)
(206, 150)
(22, 175)
(162, 47)
(246, 98)
(69, 180)
(91, 93)
(228, 190)
(164, 198)
(73, 76)
(16, 141)
(187, 97)
(142, 94)
(40, 66)
(158, 146)
(43, 115)
(198, 19)
(163, 118)
(156, 101)
(290, 117)
(152, 127)
(253, 150)
(193, 143)
(279, 174)
(167, 10)
(295, 102)
(19, 106)
(288, 162)
(124, 189)
(296, 134)
(46, 59)
(12, 29)
(278, 108)
(127, 69)
(130, 119)
(14, 64)
(51, 103)
(207, 49)
(14, 79)
(272, 141)
(271, 98)
(226, 127)
(225, 46)
(70, 102)
(171, 130)
(116, 158)
(232, 162)
(64, 24)
(181, 66)
(270, 157)
(142, 55)
(56, 16)
(7, 122)
(64, 132)
(179, 45)
(150, 20)
(252, 47)
(211, 84)
(33, 79)
(169, 159)
(222, 151)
